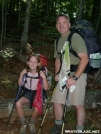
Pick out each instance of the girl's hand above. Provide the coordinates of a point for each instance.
(24, 71)
(42, 74)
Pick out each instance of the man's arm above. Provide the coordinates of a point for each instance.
(57, 65)
(81, 67)
(82, 64)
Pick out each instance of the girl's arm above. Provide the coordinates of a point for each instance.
(45, 82)
(24, 71)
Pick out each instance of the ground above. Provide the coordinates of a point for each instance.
(9, 71)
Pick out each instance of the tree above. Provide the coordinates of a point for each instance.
(42, 14)
(24, 36)
(99, 18)
(96, 11)
(3, 29)
(81, 9)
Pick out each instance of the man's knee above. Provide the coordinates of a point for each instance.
(57, 105)
(58, 108)
(79, 107)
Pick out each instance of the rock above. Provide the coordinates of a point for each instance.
(92, 99)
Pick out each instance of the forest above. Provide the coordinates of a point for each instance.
(24, 22)
(21, 19)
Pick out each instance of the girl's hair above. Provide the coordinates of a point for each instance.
(38, 59)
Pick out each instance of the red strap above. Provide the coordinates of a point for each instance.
(38, 101)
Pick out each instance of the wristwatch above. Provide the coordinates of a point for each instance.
(75, 77)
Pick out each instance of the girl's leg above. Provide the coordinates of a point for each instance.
(35, 114)
(20, 112)
(19, 105)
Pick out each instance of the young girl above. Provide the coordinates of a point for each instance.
(33, 85)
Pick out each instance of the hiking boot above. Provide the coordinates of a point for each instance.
(32, 129)
(23, 129)
(54, 130)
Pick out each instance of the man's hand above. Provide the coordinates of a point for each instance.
(70, 82)
(57, 77)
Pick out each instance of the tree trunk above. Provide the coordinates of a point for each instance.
(96, 11)
(5, 20)
(81, 9)
(2, 30)
(24, 37)
(19, 17)
(98, 18)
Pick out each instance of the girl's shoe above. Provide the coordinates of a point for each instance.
(23, 129)
(32, 129)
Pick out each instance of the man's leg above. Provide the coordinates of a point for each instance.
(58, 100)
(58, 113)
(80, 116)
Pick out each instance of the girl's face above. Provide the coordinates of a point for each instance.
(33, 63)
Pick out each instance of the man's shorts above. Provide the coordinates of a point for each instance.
(74, 98)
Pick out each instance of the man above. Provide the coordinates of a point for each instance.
(77, 76)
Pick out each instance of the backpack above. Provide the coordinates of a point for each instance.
(85, 29)
(44, 63)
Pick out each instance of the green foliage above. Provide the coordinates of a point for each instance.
(7, 53)
(43, 14)
(71, 118)
(88, 8)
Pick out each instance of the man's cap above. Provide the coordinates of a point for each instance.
(62, 14)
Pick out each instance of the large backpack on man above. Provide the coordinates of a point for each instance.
(85, 29)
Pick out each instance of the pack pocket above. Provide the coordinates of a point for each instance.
(95, 63)
(95, 60)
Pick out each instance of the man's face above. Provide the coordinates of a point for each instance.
(63, 25)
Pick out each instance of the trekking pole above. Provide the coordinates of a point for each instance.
(65, 108)
(16, 98)
(71, 90)
(42, 111)
(47, 108)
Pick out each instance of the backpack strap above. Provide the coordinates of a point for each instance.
(44, 70)
(74, 67)
(57, 40)
(33, 77)
(70, 46)
(61, 54)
